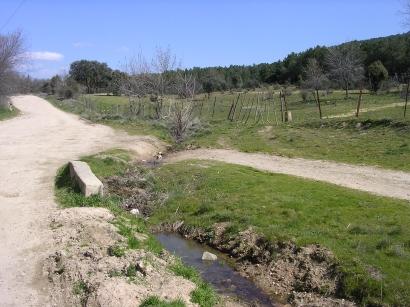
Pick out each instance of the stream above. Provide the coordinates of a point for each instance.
(220, 274)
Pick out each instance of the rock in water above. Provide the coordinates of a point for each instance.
(209, 256)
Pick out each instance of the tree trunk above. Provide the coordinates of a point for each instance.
(318, 104)
(359, 102)
(407, 97)
(346, 81)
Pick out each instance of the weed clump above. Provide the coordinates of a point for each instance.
(136, 189)
(116, 251)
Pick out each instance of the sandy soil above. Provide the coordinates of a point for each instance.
(370, 179)
(32, 147)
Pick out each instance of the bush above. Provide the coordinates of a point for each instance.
(377, 74)
(304, 94)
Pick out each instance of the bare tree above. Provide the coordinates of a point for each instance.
(11, 54)
(180, 115)
(155, 78)
(186, 85)
(345, 66)
(315, 80)
(159, 78)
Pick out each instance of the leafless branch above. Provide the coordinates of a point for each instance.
(154, 78)
(345, 66)
(11, 54)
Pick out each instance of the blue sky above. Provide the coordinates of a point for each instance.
(199, 32)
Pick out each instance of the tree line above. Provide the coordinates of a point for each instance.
(392, 51)
(373, 60)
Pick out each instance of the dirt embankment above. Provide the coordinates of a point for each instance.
(300, 276)
(87, 267)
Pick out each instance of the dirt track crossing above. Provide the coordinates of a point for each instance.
(369, 179)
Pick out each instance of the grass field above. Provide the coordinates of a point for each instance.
(6, 113)
(383, 139)
(366, 233)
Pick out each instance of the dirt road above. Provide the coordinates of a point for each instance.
(32, 147)
(364, 178)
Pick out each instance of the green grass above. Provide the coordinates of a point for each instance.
(5, 113)
(365, 232)
(204, 294)
(336, 139)
(154, 301)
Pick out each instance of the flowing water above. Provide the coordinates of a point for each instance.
(220, 273)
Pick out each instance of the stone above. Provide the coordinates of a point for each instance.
(144, 268)
(88, 183)
(209, 256)
(135, 211)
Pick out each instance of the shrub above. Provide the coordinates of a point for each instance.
(377, 74)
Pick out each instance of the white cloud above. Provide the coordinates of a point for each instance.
(45, 56)
(82, 45)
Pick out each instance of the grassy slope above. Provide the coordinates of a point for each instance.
(116, 162)
(365, 232)
(385, 144)
(6, 113)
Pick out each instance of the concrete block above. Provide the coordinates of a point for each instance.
(89, 184)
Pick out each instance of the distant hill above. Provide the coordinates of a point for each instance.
(393, 51)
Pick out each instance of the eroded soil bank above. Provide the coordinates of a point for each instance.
(89, 265)
(299, 276)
